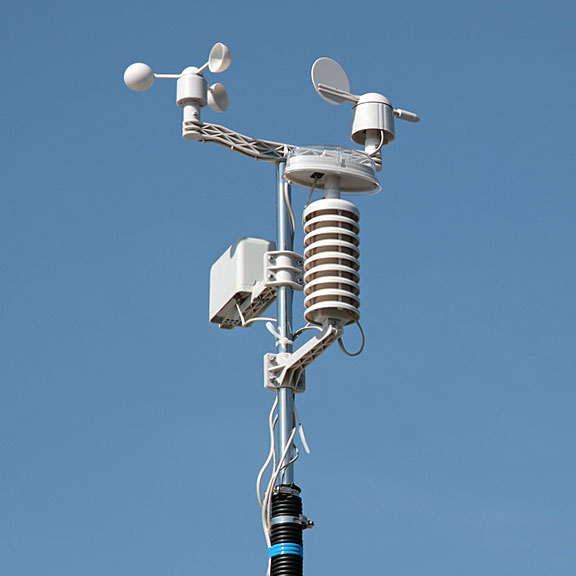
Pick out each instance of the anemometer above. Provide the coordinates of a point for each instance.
(254, 273)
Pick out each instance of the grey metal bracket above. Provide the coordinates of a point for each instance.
(284, 268)
(287, 370)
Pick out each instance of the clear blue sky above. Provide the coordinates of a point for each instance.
(132, 429)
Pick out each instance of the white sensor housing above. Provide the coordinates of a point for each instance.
(238, 289)
(311, 166)
(373, 112)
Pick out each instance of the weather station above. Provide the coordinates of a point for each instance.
(254, 273)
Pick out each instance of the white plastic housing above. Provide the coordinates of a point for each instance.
(373, 112)
(309, 166)
(237, 281)
(191, 87)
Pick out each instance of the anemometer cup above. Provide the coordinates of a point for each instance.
(139, 77)
(219, 59)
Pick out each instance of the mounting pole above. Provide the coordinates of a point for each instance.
(286, 520)
(284, 241)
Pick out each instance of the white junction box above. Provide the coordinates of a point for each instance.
(238, 290)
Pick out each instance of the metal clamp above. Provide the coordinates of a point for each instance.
(301, 520)
(284, 268)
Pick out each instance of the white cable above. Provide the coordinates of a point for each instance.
(308, 326)
(261, 319)
(268, 494)
(280, 340)
(311, 192)
(271, 424)
(301, 431)
(265, 503)
(374, 152)
(279, 468)
(248, 322)
(270, 327)
(290, 211)
(240, 313)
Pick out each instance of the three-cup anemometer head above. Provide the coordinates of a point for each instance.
(140, 77)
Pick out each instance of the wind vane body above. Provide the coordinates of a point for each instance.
(253, 273)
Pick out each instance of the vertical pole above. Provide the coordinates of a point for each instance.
(286, 551)
(284, 241)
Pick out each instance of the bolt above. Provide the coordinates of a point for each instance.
(305, 522)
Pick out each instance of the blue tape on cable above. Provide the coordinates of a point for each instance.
(285, 548)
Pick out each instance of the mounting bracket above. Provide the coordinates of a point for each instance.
(284, 268)
(286, 370)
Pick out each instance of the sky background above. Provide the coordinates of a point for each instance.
(132, 429)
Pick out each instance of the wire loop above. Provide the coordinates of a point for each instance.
(352, 354)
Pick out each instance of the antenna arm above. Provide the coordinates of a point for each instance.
(406, 115)
(257, 149)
